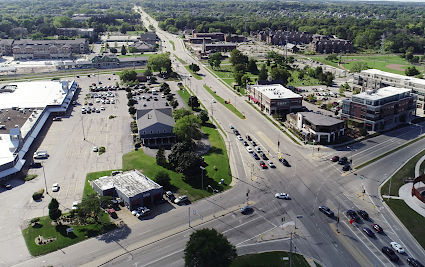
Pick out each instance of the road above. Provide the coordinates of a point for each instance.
(311, 181)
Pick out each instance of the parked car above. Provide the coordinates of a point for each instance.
(342, 161)
(413, 262)
(369, 232)
(248, 137)
(263, 165)
(246, 210)
(346, 167)
(42, 154)
(263, 156)
(258, 149)
(271, 164)
(231, 126)
(284, 162)
(6, 186)
(282, 196)
(55, 187)
(255, 156)
(181, 200)
(397, 247)
(335, 158)
(390, 254)
(249, 149)
(253, 143)
(75, 205)
(363, 214)
(95, 149)
(353, 215)
(239, 138)
(57, 119)
(326, 211)
(170, 196)
(377, 228)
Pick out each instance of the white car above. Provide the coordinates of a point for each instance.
(95, 149)
(41, 154)
(271, 164)
(102, 108)
(249, 149)
(113, 101)
(239, 138)
(75, 205)
(55, 187)
(181, 199)
(397, 247)
(282, 196)
(258, 149)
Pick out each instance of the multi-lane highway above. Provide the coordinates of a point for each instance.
(312, 180)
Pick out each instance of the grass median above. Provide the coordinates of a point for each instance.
(194, 74)
(224, 103)
(180, 60)
(274, 258)
(172, 43)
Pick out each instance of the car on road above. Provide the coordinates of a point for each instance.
(181, 200)
(390, 254)
(397, 247)
(263, 165)
(42, 154)
(352, 214)
(271, 164)
(363, 214)
(335, 158)
(249, 149)
(246, 210)
(57, 119)
(170, 196)
(377, 228)
(413, 262)
(95, 149)
(239, 138)
(284, 162)
(346, 167)
(282, 196)
(75, 205)
(6, 186)
(326, 211)
(255, 155)
(245, 143)
(55, 187)
(342, 161)
(369, 232)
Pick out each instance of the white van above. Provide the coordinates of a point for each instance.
(154, 91)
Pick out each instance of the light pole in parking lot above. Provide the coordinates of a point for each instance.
(44, 175)
(82, 126)
(202, 179)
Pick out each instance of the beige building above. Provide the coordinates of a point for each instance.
(48, 49)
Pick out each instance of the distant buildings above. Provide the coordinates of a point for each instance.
(212, 48)
(375, 79)
(48, 49)
(328, 45)
(215, 36)
(6, 46)
(274, 98)
(102, 62)
(380, 109)
(71, 32)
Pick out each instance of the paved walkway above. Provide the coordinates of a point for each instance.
(405, 192)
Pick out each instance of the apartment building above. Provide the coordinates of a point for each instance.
(71, 32)
(381, 109)
(6, 47)
(48, 49)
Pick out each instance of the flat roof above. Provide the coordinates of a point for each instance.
(382, 93)
(393, 75)
(33, 94)
(275, 91)
(130, 183)
(319, 119)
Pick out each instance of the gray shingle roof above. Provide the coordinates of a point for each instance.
(149, 117)
(319, 119)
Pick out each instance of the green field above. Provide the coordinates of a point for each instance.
(136, 55)
(194, 74)
(269, 259)
(222, 101)
(389, 63)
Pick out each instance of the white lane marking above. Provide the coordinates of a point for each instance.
(263, 242)
(256, 236)
(242, 224)
(163, 257)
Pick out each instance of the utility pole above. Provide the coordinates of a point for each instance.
(82, 126)
(188, 216)
(44, 175)
(202, 175)
(290, 251)
(337, 219)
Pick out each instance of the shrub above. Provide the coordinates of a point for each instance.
(101, 150)
(38, 195)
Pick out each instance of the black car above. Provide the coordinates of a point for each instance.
(342, 161)
(284, 162)
(253, 143)
(369, 232)
(248, 137)
(353, 215)
(363, 214)
(236, 132)
(255, 156)
(346, 167)
(263, 156)
(6, 186)
(245, 143)
(390, 254)
(326, 211)
(413, 262)
(246, 210)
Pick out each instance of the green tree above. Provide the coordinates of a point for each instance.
(174, 103)
(280, 74)
(263, 73)
(89, 207)
(123, 50)
(193, 102)
(180, 113)
(160, 157)
(54, 211)
(411, 71)
(165, 88)
(160, 62)
(238, 77)
(208, 248)
(148, 72)
(252, 66)
(177, 150)
(359, 66)
(188, 128)
(236, 57)
(163, 179)
(62, 22)
(105, 201)
(132, 110)
(215, 60)
(128, 75)
(203, 116)
(332, 57)
(193, 67)
(189, 164)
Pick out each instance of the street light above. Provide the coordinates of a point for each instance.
(351, 154)
(202, 175)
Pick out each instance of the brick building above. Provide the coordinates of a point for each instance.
(48, 49)
(6, 47)
(215, 36)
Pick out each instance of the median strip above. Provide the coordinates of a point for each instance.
(225, 103)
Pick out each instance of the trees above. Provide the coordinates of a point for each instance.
(132, 110)
(215, 60)
(89, 208)
(54, 211)
(203, 116)
(123, 50)
(160, 157)
(163, 179)
(177, 150)
(193, 67)
(188, 128)
(207, 247)
(263, 73)
(160, 62)
(148, 72)
(180, 113)
(236, 57)
(359, 66)
(189, 163)
(128, 75)
(332, 57)
(193, 102)
(280, 74)
(411, 71)
(252, 66)
(165, 88)
(174, 103)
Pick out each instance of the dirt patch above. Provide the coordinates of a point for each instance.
(398, 67)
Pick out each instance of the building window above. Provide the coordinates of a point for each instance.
(151, 132)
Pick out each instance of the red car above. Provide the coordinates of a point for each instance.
(263, 165)
(377, 228)
(334, 158)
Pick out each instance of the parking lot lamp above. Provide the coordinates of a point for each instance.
(202, 177)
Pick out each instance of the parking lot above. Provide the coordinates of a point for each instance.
(69, 143)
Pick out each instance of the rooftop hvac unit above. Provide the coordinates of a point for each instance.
(369, 92)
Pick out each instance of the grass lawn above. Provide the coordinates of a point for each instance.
(413, 221)
(134, 32)
(172, 43)
(180, 60)
(194, 74)
(136, 55)
(47, 230)
(184, 94)
(137, 71)
(379, 62)
(221, 100)
(269, 259)
(29, 177)
(294, 80)
(397, 180)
